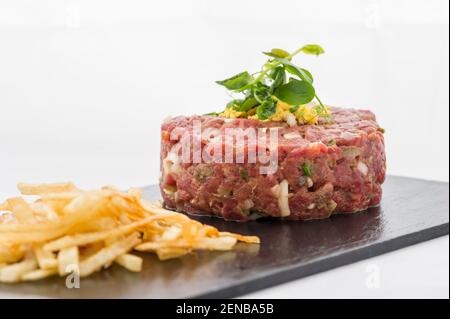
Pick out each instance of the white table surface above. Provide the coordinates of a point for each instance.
(84, 86)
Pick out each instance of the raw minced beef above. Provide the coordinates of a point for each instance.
(323, 169)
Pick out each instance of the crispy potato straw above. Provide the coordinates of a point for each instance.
(67, 230)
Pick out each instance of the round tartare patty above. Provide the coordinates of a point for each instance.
(323, 169)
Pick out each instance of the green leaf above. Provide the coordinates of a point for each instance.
(270, 54)
(279, 77)
(295, 92)
(314, 49)
(294, 108)
(277, 53)
(236, 82)
(211, 114)
(247, 105)
(307, 169)
(308, 75)
(261, 92)
(266, 109)
(303, 74)
(233, 103)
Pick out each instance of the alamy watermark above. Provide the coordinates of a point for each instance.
(73, 276)
(229, 145)
(373, 276)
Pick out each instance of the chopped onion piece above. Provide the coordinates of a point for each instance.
(362, 167)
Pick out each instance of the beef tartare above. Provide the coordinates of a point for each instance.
(331, 167)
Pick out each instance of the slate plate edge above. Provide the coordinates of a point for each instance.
(299, 271)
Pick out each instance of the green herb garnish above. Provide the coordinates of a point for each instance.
(244, 175)
(236, 82)
(307, 169)
(212, 114)
(295, 92)
(331, 142)
(278, 80)
(294, 108)
(266, 109)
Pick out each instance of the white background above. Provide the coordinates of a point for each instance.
(84, 85)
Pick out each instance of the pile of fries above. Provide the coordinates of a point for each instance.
(68, 230)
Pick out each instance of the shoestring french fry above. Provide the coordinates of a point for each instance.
(66, 229)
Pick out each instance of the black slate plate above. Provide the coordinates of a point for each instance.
(412, 211)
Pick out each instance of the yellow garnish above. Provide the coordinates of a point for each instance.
(279, 113)
(232, 114)
(305, 114)
(283, 105)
